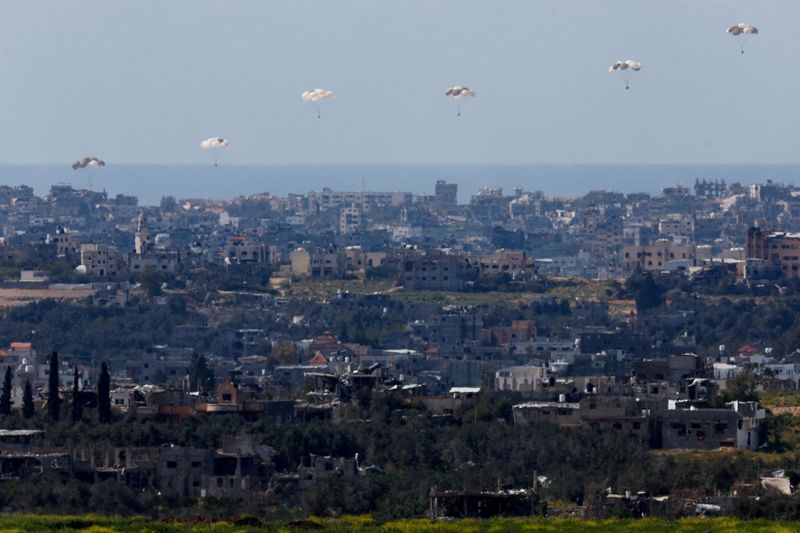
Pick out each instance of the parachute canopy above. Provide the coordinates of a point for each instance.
(742, 29)
(214, 142)
(317, 95)
(628, 66)
(742, 32)
(625, 65)
(88, 162)
(459, 93)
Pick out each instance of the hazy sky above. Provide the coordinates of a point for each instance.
(145, 81)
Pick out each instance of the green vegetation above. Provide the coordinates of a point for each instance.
(413, 451)
(320, 289)
(92, 331)
(459, 298)
(773, 399)
(96, 524)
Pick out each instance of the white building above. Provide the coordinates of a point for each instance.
(520, 378)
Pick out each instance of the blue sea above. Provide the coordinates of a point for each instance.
(151, 182)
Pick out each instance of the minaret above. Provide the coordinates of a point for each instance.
(142, 240)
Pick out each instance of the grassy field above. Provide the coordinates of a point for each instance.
(95, 524)
(779, 399)
(566, 288)
(318, 289)
(20, 297)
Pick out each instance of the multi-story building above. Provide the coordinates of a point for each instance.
(99, 260)
(654, 257)
(328, 199)
(520, 378)
(327, 262)
(676, 224)
(445, 195)
(350, 220)
(239, 250)
(502, 261)
(519, 331)
(778, 250)
(434, 272)
(64, 243)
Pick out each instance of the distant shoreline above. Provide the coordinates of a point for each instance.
(152, 181)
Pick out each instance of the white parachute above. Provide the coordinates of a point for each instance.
(458, 93)
(215, 143)
(627, 67)
(89, 162)
(743, 32)
(315, 96)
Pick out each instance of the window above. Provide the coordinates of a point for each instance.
(172, 464)
(678, 428)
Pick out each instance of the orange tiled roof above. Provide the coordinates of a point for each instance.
(749, 348)
(318, 359)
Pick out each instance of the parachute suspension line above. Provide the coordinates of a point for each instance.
(216, 158)
(741, 47)
(319, 111)
(457, 93)
(627, 85)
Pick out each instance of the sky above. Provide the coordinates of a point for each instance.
(144, 82)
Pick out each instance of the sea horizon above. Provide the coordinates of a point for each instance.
(151, 182)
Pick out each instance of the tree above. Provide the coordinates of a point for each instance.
(744, 386)
(28, 408)
(5, 398)
(285, 353)
(647, 293)
(201, 376)
(104, 395)
(151, 281)
(53, 400)
(77, 406)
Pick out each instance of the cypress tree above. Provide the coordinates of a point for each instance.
(5, 398)
(53, 400)
(77, 406)
(27, 401)
(104, 395)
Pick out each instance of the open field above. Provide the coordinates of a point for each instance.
(564, 288)
(20, 297)
(320, 289)
(779, 401)
(97, 524)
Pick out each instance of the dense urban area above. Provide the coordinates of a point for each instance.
(402, 355)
